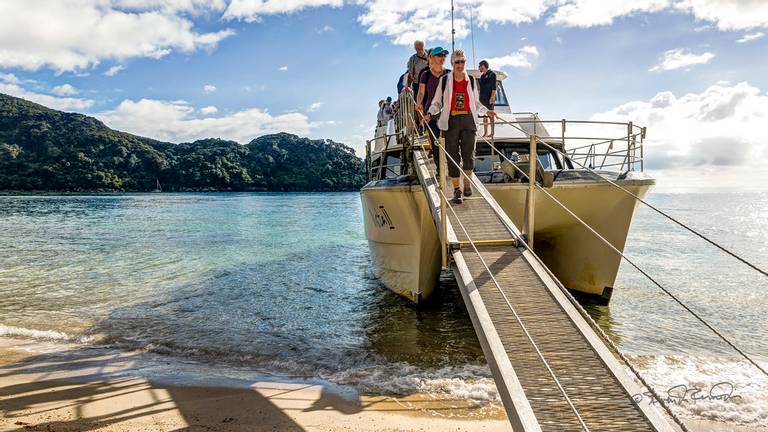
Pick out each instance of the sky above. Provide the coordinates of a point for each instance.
(695, 72)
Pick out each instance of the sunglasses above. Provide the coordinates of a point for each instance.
(459, 61)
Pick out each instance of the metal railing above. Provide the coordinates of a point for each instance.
(404, 127)
(602, 144)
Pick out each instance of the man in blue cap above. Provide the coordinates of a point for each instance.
(428, 82)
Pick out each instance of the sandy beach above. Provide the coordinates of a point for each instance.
(39, 392)
(91, 392)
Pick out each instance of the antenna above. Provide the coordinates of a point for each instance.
(472, 32)
(453, 31)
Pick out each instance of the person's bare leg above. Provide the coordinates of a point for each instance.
(493, 127)
(467, 183)
(485, 127)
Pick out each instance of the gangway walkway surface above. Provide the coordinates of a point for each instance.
(521, 314)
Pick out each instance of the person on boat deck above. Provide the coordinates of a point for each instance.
(416, 64)
(427, 88)
(382, 118)
(457, 103)
(487, 94)
(401, 82)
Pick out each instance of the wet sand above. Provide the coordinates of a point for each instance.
(39, 392)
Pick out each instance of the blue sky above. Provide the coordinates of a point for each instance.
(186, 69)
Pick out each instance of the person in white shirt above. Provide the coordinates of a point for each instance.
(458, 104)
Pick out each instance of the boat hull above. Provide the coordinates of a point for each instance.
(405, 250)
(580, 260)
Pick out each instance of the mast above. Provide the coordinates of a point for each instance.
(453, 31)
(472, 32)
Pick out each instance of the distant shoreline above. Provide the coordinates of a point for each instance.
(96, 192)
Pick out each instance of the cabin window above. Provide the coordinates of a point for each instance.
(485, 163)
(501, 97)
(546, 161)
(393, 166)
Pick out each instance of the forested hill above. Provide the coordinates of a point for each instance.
(47, 150)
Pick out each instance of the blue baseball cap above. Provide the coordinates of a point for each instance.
(438, 51)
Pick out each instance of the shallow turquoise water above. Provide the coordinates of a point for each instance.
(280, 283)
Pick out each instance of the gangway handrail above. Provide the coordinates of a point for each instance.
(581, 309)
(496, 283)
(643, 272)
(568, 295)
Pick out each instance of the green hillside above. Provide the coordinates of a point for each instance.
(47, 150)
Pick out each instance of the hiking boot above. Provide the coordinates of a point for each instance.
(467, 189)
(457, 196)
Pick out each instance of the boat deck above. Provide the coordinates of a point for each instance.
(521, 315)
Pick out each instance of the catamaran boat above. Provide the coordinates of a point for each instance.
(573, 166)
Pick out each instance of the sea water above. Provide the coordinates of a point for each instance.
(228, 288)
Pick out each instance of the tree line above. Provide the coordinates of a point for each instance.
(47, 150)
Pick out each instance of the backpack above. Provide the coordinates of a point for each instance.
(426, 70)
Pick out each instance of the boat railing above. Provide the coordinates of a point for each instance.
(596, 144)
(404, 126)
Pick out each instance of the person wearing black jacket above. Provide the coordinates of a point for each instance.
(487, 94)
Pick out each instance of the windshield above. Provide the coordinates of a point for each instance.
(501, 97)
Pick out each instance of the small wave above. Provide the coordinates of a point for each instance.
(50, 335)
(748, 404)
(466, 382)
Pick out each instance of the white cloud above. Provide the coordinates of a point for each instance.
(59, 103)
(326, 29)
(253, 10)
(114, 70)
(728, 14)
(176, 121)
(209, 110)
(209, 88)
(78, 34)
(406, 20)
(314, 106)
(750, 37)
(64, 90)
(283, 68)
(681, 58)
(589, 13)
(193, 7)
(9, 78)
(719, 127)
(522, 58)
(258, 88)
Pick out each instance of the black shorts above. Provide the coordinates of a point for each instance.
(487, 104)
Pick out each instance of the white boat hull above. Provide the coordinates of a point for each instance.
(403, 240)
(405, 248)
(580, 260)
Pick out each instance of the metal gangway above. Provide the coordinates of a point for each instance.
(552, 369)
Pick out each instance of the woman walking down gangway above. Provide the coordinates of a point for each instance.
(458, 104)
(428, 82)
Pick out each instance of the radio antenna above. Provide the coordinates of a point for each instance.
(472, 32)
(453, 31)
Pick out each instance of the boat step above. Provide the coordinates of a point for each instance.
(488, 243)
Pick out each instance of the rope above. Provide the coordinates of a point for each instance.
(498, 287)
(632, 263)
(568, 295)
(583, 312)
(686, 227)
